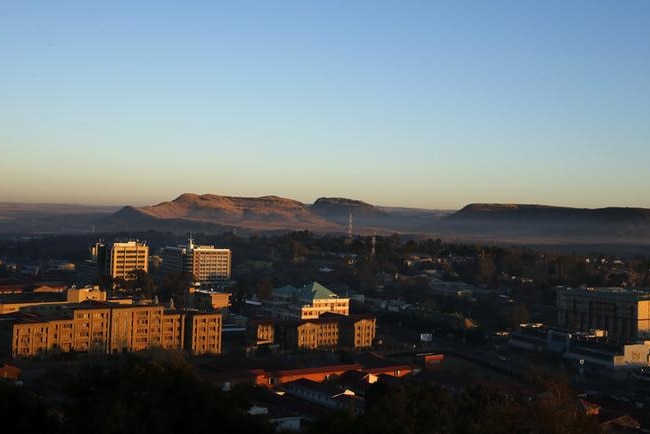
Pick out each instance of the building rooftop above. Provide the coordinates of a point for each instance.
(315, 291)
(285, 291)
(614, 292)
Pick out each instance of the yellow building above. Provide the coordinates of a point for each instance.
(47, 304)
(358, 331)
(28, 334)
(203, 333)
(308, 302)
(313, 335)
(120, 259)
(77, 295)
(261, 332)
(207, 300)
(208, 265)
(135, 328)
(327, 332)
(624, 313)
(173, 330)
(108, 328)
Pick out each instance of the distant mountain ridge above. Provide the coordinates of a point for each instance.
(495, 212)
(210, 213)
(536, 221)
(339, 209)
(326, 214)
(264, 213)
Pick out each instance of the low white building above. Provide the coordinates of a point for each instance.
(308, 302)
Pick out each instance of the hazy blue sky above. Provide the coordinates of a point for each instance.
(410, 103)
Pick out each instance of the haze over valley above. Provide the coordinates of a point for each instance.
(212, 214)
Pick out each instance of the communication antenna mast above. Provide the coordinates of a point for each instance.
(349, 225)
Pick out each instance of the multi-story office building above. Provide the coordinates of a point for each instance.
(121, 259)
(103, 327)
(624, 313)
(208, 265)
(308, 302)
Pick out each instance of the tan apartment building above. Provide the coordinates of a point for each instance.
(358, 331)
(261, 332)
(207, 299)
(312, 335)
(624, 313)
(327, 332)
(120, 259)
(108, 328)
(41, 302)
(26, 334)
(203, 333)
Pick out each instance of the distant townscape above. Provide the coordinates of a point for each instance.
(342, 327)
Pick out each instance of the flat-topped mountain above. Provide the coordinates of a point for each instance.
(265, 213)
(230, 209)
(210, 213)
(500, 212)
(478, 222)
(340, 209)
(550, 222)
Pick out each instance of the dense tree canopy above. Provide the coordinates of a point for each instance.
(420, 407)
(159, 394)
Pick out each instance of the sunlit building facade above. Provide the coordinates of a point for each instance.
(101, 327)
(623, 313)
(208, 265)
(120, 259)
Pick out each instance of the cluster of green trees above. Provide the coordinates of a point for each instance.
(420, 407)
(145, 393)
(159, 392)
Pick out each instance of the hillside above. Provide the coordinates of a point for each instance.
(209, 213)
(216, 213)
(540, 221)
(50, 218)
(339, 209)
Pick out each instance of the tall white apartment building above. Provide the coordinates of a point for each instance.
(208, 265)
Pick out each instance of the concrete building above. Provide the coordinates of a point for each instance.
(121, 259)
(614, 361)
(330, 331)
(208, 265)
(623, 313)
(202, 299)
(308, 302)
(326, 395)
(103, 327)
(44, 300)
(203, 332)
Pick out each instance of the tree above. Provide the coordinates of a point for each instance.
(141, 280)
(556, 411)
(24, 412)
(410, 409)
(176, 285)
(157, 393)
